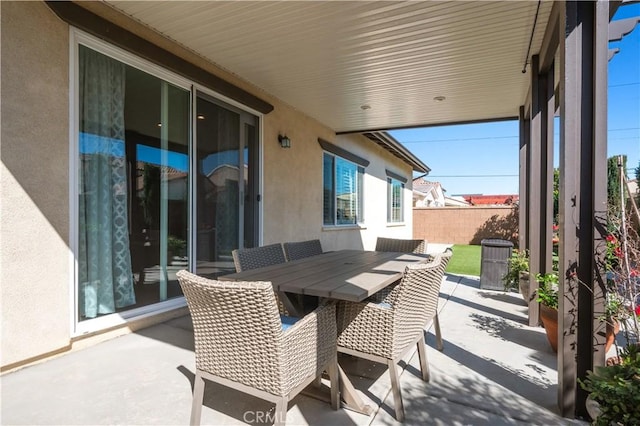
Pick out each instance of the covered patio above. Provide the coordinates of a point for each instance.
(494, 370)
(335, 69)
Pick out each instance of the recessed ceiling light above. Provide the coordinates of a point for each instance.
(439, 98)
(365, 107)
(200, 117)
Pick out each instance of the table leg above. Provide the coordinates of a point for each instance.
(349, 397)
(292, 308)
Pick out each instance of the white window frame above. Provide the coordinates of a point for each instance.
(391, 183)
(360, 172)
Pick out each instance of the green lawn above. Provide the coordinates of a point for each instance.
(465, 260)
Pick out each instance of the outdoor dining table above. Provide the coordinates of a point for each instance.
(351, 275)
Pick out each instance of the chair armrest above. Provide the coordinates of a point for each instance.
(309, 344)
(366, 327)
(386, 295)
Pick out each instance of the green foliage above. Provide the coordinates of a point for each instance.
(518, 262)
(547, 292)
(176, 246)
(615, 308)
(613, 183)
(556, 195)
(617, 389)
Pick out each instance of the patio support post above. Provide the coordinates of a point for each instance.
(583, 92)
(523, 204)
(539, 197)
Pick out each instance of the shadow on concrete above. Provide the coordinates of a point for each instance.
(505, 330)
(469, 281)
(172, 332)
(255, 411)
(478, 393)
(505, 297)
(504, 314)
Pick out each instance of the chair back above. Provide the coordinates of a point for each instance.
(401, 246)
(416, 300)
(445, 257)
(302, 249)
(257, 257)
(237, 330)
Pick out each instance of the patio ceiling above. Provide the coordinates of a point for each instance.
(328, 59)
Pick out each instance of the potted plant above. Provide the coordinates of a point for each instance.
(175, 247)
(547, 295)
(615, 313)
(614, 390)
(518, 274)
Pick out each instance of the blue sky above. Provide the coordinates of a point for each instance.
(483, 158)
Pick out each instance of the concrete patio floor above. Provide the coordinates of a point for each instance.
(494, 370)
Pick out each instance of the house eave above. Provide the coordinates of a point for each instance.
(388, 142)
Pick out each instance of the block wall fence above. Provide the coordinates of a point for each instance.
(465, 225)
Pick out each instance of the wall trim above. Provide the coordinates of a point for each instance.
(335, 149)
(396, 176)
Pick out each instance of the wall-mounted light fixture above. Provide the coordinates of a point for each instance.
(285, 142)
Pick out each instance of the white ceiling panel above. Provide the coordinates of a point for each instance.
(328, 58)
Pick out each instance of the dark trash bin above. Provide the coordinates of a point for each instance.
(495, 263)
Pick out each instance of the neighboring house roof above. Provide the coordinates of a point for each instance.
(427, 194)
(455, 201)
(388, 142)
(422, 185)
(484, 200)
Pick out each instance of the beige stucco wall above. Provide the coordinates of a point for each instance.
(35, 274)
(34, 176)
(293, 185)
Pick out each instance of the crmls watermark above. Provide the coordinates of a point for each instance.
(266, 417)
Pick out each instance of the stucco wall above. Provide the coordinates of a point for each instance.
(293, 185)
(34, 210)
(465, 225)
(35, 274)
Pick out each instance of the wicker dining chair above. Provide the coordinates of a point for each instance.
(384, 332)
(401, 246)
(241, 341)
(301, 249)
(387, 295)
(257, 257)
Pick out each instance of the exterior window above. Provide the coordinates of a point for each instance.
(395, 190)
(342, 185)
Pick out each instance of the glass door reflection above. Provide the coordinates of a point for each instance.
(225, 141)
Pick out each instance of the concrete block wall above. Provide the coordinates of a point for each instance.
(465, 225)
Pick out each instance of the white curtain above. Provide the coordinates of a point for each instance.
(104, 260)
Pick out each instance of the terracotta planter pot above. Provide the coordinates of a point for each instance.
(612, 329)
(549, 318)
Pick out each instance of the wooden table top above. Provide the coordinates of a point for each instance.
(350, 275)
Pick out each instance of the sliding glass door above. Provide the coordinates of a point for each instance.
(154, 194)
(133, 195)
(226, 181)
